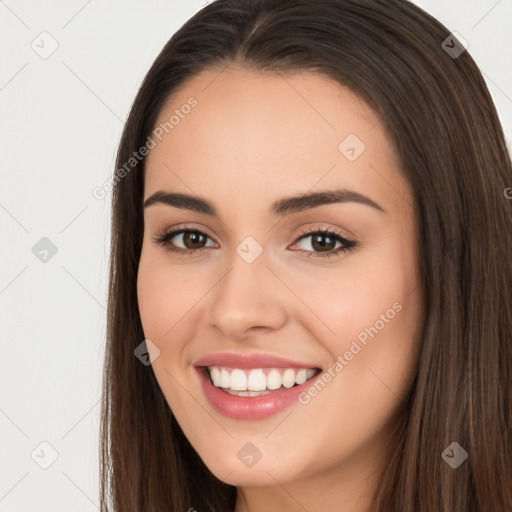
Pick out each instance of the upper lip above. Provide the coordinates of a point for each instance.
(249, 361)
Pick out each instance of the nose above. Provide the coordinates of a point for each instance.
(247, 300)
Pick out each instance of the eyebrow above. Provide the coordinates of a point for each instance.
(279, 208)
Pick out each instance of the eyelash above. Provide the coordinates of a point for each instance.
(164, 237)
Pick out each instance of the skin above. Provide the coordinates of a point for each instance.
(252, 139)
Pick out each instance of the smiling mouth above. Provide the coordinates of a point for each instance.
(257, 381)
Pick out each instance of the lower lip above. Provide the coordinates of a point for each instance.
(249, 408)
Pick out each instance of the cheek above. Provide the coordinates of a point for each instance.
(376, 347)
(374, 291)
(380, 321)
(156, 302)
(165, 296)
(165, 306)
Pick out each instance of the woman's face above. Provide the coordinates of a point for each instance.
(261, 294)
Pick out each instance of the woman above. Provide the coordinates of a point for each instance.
(311, 243)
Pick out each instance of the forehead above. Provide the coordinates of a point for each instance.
(255, 134)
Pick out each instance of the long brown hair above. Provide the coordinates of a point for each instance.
(435, 106)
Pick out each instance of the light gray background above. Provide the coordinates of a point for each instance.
(61, 120)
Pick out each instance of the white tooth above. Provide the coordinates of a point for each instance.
(273, 379)
(216, 376)
(258, 393)
(256, 380)
(247, 393)
(309, 373)
(238, 380)
(300, 377)
(225, 379)
(238, 393)
(288, 378)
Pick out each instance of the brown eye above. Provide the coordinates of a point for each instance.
(324, 243)
(184, 241)
(321, 242)
(193, 239)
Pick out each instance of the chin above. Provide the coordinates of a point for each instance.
(265, 471)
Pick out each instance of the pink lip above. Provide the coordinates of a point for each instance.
(243, 407)
(249, 408)
(249, 361)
